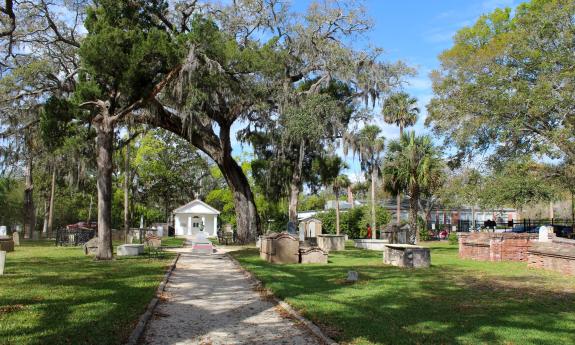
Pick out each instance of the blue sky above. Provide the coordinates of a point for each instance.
(416, 32)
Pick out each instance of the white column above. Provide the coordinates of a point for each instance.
(215, 226)
(189, 232)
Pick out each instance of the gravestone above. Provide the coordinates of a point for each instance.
(16, 238)
(91, 247)
(352, 276)
(3, 231)
(544, 233)
(2, 262)
(6, 244)
(291, 228)
(313, 255)
(406, 255)
(302, 231)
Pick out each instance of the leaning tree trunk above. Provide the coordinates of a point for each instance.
(247, 218)
(29, 212)
(105, 140)
(413, 211)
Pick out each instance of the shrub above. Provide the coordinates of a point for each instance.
(353, 222)
(452, 238)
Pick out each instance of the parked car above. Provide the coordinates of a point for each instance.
(82, 225)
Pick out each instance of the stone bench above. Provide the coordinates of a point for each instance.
(406, 255)
(130, 249)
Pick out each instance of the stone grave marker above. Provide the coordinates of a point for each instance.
(302, 231)
(352, 276)
(2, 262)
(291, 228)
(544, 232)
(16, 238)
(3, 231)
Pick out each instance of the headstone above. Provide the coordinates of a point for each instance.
(352, 276)
(454, 228)
(291, 228)
(16, 238)
(544, 232)
(3, 231)
(160, 232)
(301, 232)
(313, 255)
(2, 262)
(432, 226)
(91, 247)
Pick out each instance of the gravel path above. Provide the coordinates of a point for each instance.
(209, 301)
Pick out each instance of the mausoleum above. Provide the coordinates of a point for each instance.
(194, 217)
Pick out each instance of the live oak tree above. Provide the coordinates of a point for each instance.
(506, 86)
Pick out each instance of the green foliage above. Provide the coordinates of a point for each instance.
(11, 201)
(501, 87)
(223, 200)
(452, 238)
(400, 109)
(312, 202)
(353, 222)
(54, 121)
(125, 52)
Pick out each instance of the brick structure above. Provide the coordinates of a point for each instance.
(558, 255)
(489, 246)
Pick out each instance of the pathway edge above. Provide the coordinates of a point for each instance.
(313, 328)
(145, 317)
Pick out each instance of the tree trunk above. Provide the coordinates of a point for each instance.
(247, 218)
(105, 141)
(29, 212)
(295, 184)
(219, 149)
(413, 211)
(127, 192)
(336, 213)
(51, 210)
(473, 217)
(373, 224)
(45, 225)
(398, 210)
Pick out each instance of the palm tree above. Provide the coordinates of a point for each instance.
(342, 181)
(412, 164)
(368, 145)
(401, 110)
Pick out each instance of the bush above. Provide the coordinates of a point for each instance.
(452, 238)
(353, 222)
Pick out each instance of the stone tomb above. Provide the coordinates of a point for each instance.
(130, 249)
(312, 227)
(91, 247)
(328, 242)
(312, 255)
(406, 255)
(554, 254)
(6, 244)
(280, 248)
(495, 246)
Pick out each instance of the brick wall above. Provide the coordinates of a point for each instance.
(557, 255)
(488, 246)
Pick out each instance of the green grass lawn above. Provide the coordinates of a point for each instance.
(56, 295)
(454, 302)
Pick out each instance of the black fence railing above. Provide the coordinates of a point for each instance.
(74, 237)
(562, 227)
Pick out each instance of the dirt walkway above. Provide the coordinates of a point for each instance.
(209, 301)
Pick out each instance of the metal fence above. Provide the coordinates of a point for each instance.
(562, 227)
(74, 237)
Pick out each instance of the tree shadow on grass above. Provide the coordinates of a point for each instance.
(441, 305)
(74, 300)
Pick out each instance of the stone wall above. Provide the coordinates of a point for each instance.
(489, 246)
(555, 255)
